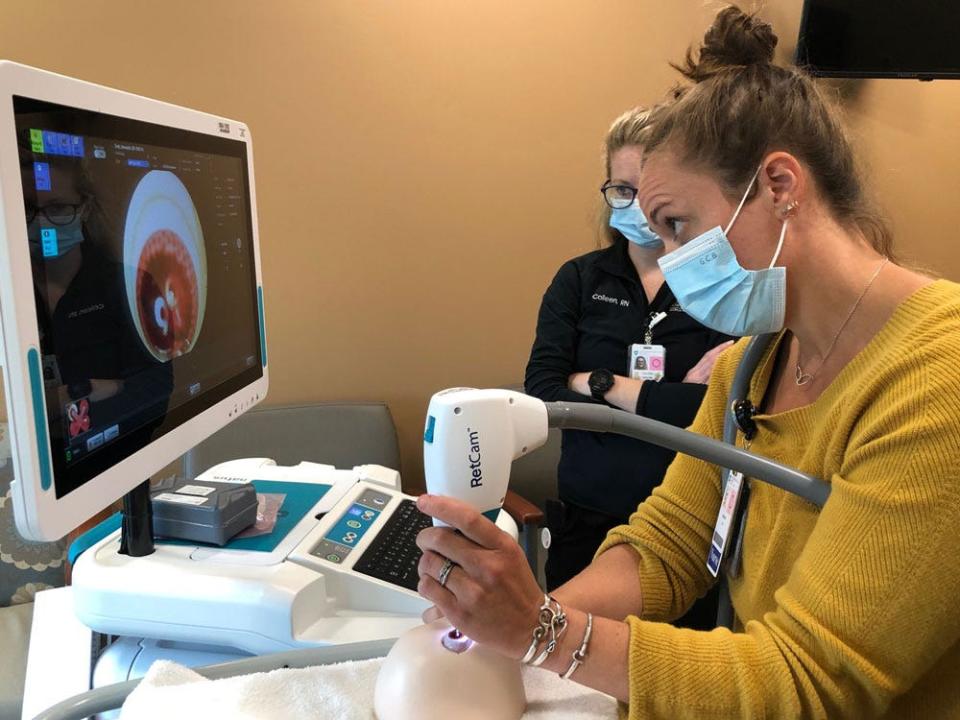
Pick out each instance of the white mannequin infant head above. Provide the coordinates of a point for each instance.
(421, 679)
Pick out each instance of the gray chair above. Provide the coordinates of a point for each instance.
(344, 434)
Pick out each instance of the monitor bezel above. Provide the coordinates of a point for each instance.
(39, 514)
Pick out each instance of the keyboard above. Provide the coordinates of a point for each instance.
(393, 555)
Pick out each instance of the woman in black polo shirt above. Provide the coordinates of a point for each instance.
(605, 314)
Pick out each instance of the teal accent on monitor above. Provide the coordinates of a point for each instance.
(428, 433)
(39, 418)
(263, 329)
(491, 515)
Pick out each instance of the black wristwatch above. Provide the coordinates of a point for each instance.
(600, 382)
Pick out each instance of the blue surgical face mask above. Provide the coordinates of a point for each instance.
(716, 291)
(632, 224)
(59, 240)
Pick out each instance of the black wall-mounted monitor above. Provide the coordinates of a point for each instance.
(880, 38)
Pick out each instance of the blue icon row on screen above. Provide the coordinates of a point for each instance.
(55, 143)
(48, 242)
(41, 172)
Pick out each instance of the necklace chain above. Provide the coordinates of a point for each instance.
(804, 378)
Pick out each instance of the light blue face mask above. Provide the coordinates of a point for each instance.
(716, 291)
(632, 224)
(51, 242)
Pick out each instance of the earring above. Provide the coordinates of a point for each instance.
(789, 209)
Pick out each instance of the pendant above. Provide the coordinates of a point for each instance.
(802, 377)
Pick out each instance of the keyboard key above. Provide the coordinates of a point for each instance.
(393, 555)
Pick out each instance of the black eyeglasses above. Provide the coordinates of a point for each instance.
(56, 213)
(618, 196)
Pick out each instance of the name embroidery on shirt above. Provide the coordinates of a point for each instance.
(600, 297)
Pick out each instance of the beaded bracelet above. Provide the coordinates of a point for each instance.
(580, 654)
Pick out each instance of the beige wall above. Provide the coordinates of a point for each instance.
(424, 167)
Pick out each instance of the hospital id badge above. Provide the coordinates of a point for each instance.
(647, 362)
(721, 531)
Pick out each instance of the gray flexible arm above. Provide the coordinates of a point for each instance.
(740, 389)
(113, 696)
(599, 418)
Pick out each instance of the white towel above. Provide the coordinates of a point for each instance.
(341, 692)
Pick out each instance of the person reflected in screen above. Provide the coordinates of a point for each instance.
(97, 373)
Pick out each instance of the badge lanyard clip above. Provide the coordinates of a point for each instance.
(653, 321)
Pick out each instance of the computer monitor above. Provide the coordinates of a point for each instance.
(132, 312)
(870, 39)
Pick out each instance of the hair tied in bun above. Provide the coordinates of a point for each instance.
(735, 39)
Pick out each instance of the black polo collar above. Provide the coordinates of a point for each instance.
(616, 261)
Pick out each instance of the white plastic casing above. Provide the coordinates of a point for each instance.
(471, 438)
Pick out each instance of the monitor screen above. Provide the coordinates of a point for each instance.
(142, 257)
(893, 38)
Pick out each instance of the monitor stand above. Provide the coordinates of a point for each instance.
(136, 533)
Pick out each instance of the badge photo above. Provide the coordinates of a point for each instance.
(647, 362)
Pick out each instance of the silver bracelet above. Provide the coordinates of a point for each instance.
(546, 619)
(538, 634)
(580, 654)
(558, 623)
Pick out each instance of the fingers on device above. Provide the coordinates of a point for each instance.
(471, 438)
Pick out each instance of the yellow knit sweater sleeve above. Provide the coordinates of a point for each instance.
(869, 609)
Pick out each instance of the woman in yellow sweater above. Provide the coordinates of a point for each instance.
(851, 611)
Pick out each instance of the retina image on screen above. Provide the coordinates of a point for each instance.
(145, 285)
